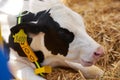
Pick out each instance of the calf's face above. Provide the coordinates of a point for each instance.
(64, 33)
(83, 49)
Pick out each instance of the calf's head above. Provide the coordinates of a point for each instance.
(63, 33)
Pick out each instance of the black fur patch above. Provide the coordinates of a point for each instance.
(56, 38)
(58, 41)
(40, 56)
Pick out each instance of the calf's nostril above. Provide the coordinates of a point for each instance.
(96, 54)
(99, 52)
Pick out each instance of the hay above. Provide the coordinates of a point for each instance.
(64, 74)
(102, 20)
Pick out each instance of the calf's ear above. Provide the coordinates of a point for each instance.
(16, 28)
(27, 27)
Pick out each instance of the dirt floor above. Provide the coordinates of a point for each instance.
(102, 20)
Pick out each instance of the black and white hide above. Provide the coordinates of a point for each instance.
(57, 36)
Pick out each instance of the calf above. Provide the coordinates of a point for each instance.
(58, 37)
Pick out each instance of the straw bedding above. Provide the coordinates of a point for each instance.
(102, 20)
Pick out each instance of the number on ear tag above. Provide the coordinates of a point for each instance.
(20, 37)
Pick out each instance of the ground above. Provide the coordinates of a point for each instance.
(102, 20)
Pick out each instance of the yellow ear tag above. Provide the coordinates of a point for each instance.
(44, 69)
(21, 38)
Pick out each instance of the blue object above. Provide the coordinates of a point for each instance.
(4, 71)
